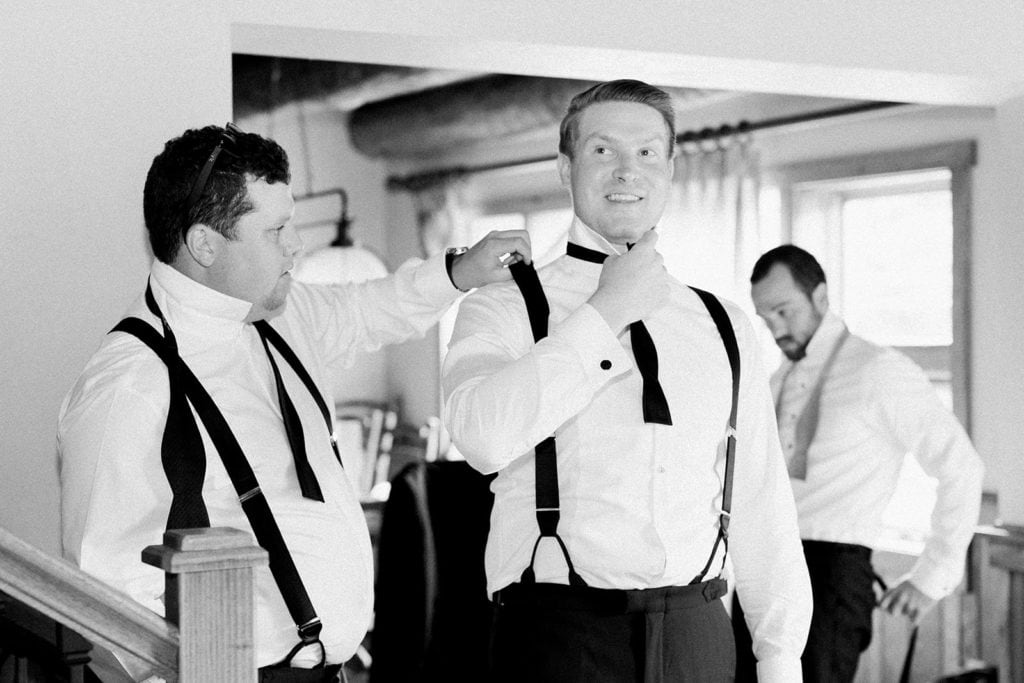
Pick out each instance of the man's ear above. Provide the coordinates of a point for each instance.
(203, 244)
(819, 297)
(564, 170)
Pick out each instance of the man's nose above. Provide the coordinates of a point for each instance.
(776, 327)
(293, 243)
(625, 170)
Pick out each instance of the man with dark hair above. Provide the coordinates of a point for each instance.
(601, 390)
(222, 319)
(848, 413)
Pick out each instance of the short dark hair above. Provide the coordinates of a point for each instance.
(224, 200)
(623, 90)
(805, 269)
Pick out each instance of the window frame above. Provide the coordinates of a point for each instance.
(958, 157)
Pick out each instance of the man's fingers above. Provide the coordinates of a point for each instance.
(517, 246)
(648, 240)
(510, 242)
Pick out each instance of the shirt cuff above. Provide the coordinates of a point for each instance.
(933, 581)
(431, 280)
(601, 355)
(779, 669)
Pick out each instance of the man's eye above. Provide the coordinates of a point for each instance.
(647, 152)
(602, 150)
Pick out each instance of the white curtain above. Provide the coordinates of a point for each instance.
(709, 234)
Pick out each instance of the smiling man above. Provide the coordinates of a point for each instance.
(616, 499)
(139, 454)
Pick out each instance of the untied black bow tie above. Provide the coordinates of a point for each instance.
(655, 405)
(308, 483)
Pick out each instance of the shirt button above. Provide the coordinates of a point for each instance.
(661, 470)
(606, 365)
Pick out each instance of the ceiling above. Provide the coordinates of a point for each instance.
(408, 113)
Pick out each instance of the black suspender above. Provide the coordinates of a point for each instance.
(547, 502)
(545, 460)
(185, 475)
(732, 349)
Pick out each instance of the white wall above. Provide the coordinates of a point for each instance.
(91, 90)
(89, 93)
(999, 311)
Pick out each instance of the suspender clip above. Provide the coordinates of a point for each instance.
(252, 493)
(723, 521)
(310, 631)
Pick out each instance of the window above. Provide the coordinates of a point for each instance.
(886, 243)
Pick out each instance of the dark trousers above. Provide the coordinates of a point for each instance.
(842, 587)
(554, 633)
(286, 674)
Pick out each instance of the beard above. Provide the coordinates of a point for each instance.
(791, 348)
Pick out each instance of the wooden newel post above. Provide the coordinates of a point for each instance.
(1012, 560)
(209, 596)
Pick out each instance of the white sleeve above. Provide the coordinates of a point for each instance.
(770, 570)
(114, 495)
(921, 424)
(503, 393)
(345, 319)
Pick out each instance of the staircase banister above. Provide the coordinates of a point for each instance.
(94, 609)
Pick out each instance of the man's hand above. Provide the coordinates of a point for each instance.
(632, 285)
(488, 260)
(905, 598)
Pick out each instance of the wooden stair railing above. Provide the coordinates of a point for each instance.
(209, 599)
(997, 559)
(34, 647)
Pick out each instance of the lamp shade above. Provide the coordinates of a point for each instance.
(337, 265)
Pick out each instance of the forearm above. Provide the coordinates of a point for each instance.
(953, 521)
(361, 317)
(922, 425)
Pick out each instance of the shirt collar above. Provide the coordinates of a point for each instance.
(825, 337)
(179, 295)
(581, 234)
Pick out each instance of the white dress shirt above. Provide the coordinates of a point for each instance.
(114, 493)
(877, 406)
(639, 502)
